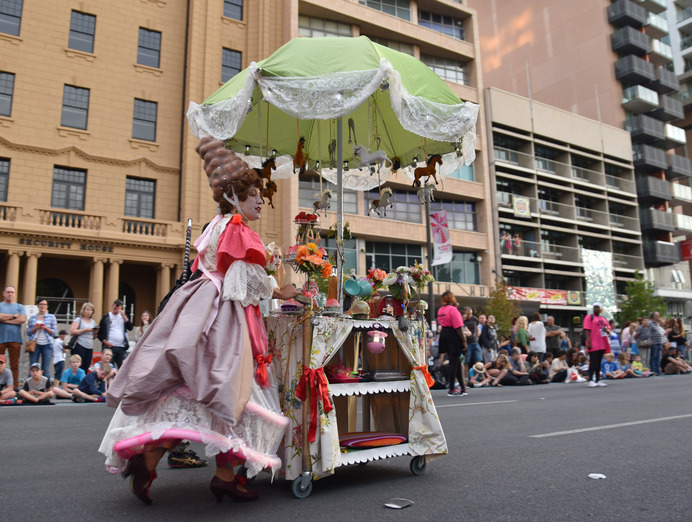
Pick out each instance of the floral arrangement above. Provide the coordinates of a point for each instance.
(312, 259)
(406, 280)
(304, 217)
(273, 263)
(376, 278)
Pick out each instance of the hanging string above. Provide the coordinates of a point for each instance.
(259, 127)
(319, 156)
(268, 149)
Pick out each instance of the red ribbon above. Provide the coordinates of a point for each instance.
(261, 372)
(316, 381)
(426, 374)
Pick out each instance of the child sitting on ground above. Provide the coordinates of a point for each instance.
(623, 363)
(70, 379)
(93, 386)
(37, 387)
(478, 377)
(7, 393)
(59, 355)
(638, 366)
(609, 368)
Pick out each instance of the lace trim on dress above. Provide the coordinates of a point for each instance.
(247, 283)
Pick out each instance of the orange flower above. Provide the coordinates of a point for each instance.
(326, 270)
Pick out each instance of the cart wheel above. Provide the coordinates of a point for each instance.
(418, 465)
(299, 492)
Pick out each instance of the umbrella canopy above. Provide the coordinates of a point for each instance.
(390, 101)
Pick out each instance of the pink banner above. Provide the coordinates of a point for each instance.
(442, 246)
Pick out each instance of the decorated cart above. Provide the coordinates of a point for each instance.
(285, 115)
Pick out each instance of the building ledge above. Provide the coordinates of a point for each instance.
(673, 293)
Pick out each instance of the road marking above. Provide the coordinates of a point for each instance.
(471, 404)
(609, 426)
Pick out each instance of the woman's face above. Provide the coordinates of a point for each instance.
(251, 208)
(88, 312)
(42, 307)
(145, 317)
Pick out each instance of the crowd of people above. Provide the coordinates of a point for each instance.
(467, 351)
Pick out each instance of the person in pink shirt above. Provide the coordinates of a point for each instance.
(452, 340)
(597, 343)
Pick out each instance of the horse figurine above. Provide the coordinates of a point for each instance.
(429, 170)
(300, 160)
(324, 202)
(266, 171)
(426, 193)
(367, 158)
(269, 192)
(332, 153)
(382, 203)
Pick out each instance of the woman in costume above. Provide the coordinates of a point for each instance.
(201, 371)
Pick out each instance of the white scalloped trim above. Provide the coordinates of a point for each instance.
(368, 455)
(363, 388)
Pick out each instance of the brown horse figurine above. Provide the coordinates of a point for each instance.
(269, 192)
(300, 160)
(266, 171)
(429, 170)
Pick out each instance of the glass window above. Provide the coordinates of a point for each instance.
(451, 70)
(389, 256)
(144, 120)
(350, 252)
(309, 192)
(399, 8)
(461, 215)
(11, 16)
(75, 107)
(233, 9)
(397, 46)
(545, 159)
(6, 93)
(317, 27)
(465, 172)
(463, 268)
(139, 197)
(68, 188)
(448, 25)
(149, 48)
(82, 30)
(231, 63)
(406, 206)
(4, 178)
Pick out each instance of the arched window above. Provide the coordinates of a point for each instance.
(57, 292)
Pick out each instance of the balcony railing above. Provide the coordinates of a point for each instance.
(657, 220)
(683, 222)
(624, 222)
(660, 253)
(617, 183)
(684, 14)
(681, 192)
(8, 212)
(145, 227)
(70, 219)
(624, 261)
(520, 248)
(650, 188)
(626, 12)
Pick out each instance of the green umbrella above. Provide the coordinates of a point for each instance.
(395, 107)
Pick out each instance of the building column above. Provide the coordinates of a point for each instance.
(163, 281)
(112, 283)
(96, 287)
(12, 271)
(30, 274)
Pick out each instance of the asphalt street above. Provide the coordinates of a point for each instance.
(522, 453)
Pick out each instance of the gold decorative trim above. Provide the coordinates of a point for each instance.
(31, 149)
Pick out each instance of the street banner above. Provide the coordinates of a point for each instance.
(442, 246)
(521, 206)
(542, 295)
(686, 247)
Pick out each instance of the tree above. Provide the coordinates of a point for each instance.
(640, 300)
(502, 307)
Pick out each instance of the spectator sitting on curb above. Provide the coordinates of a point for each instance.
(623, 363)
(478, 376)
(638, 366)
(70, 379)
(37, 387)
(609, 368)
(558, 368)
(7, 393)
(93, 386)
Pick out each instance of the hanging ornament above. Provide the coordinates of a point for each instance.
(300, 160)
(269, 191)
(366, 158)
(266, 171)
(382, 203)
(324, 202)
(429, 170)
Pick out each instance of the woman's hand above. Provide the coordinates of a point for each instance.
(285, 292)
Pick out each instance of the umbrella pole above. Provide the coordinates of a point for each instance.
(431, 292)
(339, 211)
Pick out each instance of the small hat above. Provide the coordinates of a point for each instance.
(598, 303)
(3, 358)
(35, 365)
(479, 367)
(62, 332)
(118, 302)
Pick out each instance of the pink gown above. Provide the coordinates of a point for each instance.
(200, 371)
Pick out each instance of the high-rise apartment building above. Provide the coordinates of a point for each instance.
(98, 172)
(611, 62)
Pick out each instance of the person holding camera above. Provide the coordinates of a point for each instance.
(84, 329)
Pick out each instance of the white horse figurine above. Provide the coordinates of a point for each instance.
(367, 158)
(382, 203)
(324, 202)
(426, 192)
